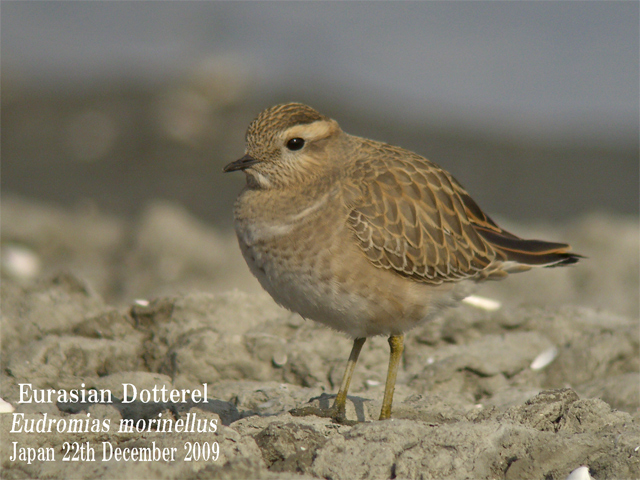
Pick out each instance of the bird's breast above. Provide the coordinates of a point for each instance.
(305, 256)
(278, 233)
(269, 220)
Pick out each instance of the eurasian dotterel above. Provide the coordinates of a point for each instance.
(364, 237)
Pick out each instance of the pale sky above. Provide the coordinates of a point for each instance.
(540, 68)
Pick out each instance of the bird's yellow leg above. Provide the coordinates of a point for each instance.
(396, 343)
(340, 404)
(338, 410)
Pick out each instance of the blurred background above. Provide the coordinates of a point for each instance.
(117, 118)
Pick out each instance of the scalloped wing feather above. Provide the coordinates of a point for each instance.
(411, 216)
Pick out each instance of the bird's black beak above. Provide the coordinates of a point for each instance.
(240, 164)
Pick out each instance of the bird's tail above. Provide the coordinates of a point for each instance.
(517, 253)
(528, 253)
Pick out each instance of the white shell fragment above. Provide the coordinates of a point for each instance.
(20, 262)
(580, 473)
(141, 302)
(482, 303)
(6, 407)
(372, 383)
(544, 359)
(280, 359)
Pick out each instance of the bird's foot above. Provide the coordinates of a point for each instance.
(336, 414)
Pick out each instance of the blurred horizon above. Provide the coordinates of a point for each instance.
(548, 66)
(533, 106)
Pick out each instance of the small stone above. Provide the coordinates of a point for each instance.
(279, 359)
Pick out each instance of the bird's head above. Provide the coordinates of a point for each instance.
(288, 144)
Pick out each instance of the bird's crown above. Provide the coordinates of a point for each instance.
(279, 118)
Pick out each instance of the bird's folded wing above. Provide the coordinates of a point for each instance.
(410, 216)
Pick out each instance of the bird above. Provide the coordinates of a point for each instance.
(364, 237)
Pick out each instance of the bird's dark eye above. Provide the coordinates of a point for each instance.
(295, 143)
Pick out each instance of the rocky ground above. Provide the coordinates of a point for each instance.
(545, 384)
